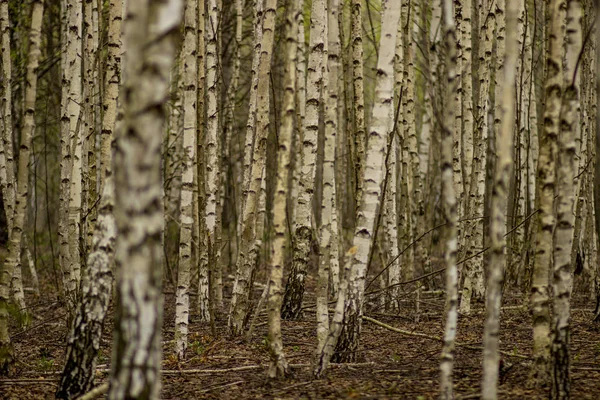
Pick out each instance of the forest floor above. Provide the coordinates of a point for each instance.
(392, 365)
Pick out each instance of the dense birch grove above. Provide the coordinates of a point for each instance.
(299, 198)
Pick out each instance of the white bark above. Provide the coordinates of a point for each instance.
(344, 338)
(304, 219)
(565, 188)
(449, 184)
(245, 266)
(505, 117)
(279, 365)
(13, 259)
(83, 341)
(7, 168)
(190, 96)
(150, 31)
(540, 297)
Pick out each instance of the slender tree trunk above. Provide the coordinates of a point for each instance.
(300, 115)
(328, 257)
(212, 146)
(563, 234)
(13, 259)
(279, 365)
(503, 170)
(360, 134)
(540, 298)
(83, 342)
(467, 95)
(473, 276)
(345, 329)
(304, 222)
(245, 265)
(7, 167)
(449, 184)
(190, 97)
(70, 126)
(203, 304)
(150, 31)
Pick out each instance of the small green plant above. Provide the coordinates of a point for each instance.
(101, 358)
(46, 362)
(197, 347)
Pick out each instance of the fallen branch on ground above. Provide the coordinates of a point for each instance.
(95, 392)
(436, 338)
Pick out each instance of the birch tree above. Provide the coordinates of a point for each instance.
(149, 39)
(13, 259)
(186, 244)
(449, 201)
(473, 269)
(83, 343)
(503, 170)
(244, 267)
(70, 152)
(328, 256)
(360, 135)
(304, 222)
(565, 188)
(345, 328)
(7, 167)
(546, 181)
(279, 366)
(112, 81)
(212, 127)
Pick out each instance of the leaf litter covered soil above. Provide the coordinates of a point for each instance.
(391, 365)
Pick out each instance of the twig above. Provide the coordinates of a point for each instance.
(220, 386)
(95, 392)
(27, 381)
(436, 338)
(285, 389)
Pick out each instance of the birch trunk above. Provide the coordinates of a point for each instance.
(505, 103)
(328, 258)
(91, 102)
(7, 167)
(345, 329)
(76, 115)
(297, 139)
(203, 303)
(360, 134)
(457, 134)
(473, 275)
(150, 32)
(467, 93)
(279, 366)
(186, 244)
(83, 342)
(244, 268)
(540, 298)
(304, 222)
(212, 129)
(70, 124)
(449, 200)
(13, 259)
(252, 107)
(565, 188)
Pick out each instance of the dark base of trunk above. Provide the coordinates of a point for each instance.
(561, 386)
(347, 345)
(294, 289)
